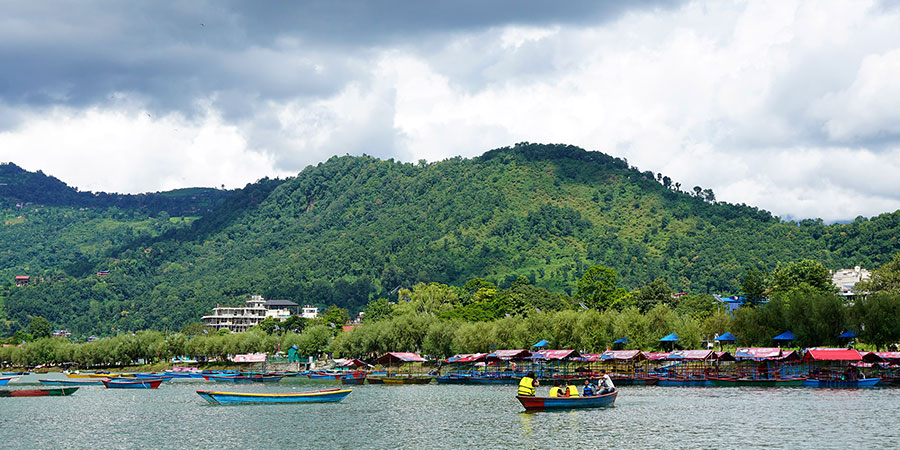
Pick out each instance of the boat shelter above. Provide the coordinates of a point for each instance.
(555, 364)
(405, 362)
(833, 364)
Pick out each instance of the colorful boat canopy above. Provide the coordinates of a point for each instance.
(398, 357)
(507, 355)
(848, 334)
(694, 355)
(591, 357)
(351, 363)
(832, 354)
(623, 355)
(624, 340)
(727, 337)
(465, 358)
(786, 336)
(670, 338)
(656, 356)
(723, 356)
(555, 354)
(758, 353)
(542, 343)
(889, 355)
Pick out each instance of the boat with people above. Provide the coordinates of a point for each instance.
(128, 384)
(42, 392)
(532, 403)
(242, 398)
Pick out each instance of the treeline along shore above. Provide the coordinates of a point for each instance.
(440, 320)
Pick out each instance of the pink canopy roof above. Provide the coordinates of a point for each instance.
(757, 353)
(509, 354)
(352, 363)
(691, 354)
(656, 356)
(832, 354)
(888, 355)
(636, 355)
(398, 357)
(555, 354)
(468, 357)
(591, 357)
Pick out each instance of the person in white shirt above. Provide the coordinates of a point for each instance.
(605, 384)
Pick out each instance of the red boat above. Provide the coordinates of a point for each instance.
(44, 392)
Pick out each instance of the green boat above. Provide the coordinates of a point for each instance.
(756, 382)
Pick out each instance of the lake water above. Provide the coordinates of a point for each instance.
(447, 416)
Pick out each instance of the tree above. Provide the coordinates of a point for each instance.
(875, 316)
(39, 327)
(657, 292)
(753, 286)
(335, 316)
(802, 274)
(597, 288)
(379, 309)
(884, 279)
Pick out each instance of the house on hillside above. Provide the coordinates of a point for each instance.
(22, 280)
(281, 309)
(845, 280)
(310, 312)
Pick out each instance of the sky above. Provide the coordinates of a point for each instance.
(790, 106)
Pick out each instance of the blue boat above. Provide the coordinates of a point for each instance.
(488, 379)
(146, 383)
(239, 398)
(83, 382)
(244, 378)
(847, 384)
(452, 379)
(5, 380)
(153, 376)
(562, 403)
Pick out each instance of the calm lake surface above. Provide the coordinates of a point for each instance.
(436, 416)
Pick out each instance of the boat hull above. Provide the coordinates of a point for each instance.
(565, 403)
(635, 381)
(71, 383)
(244, 379)
(353, 380)
(5, 380)
(775, 382)
(238, 398)
(492, 380)
(683, 382)
(44, 392)
(844, 384)
(137, 384)
(407, 380)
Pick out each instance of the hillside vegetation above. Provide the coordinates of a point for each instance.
(353, 229)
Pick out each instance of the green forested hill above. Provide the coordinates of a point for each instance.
(355, 228)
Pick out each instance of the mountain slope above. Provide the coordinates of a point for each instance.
(354, 228)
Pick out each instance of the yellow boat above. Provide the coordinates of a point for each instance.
(407, 379)
(100, 375)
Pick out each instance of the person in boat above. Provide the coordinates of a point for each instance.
(571, 390)
(557, 390)
(605, 383)
(588, 390)
(527, 385)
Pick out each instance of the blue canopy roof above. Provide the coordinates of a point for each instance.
(849, 334)
(727, 337)
(670, 338)
(543, 343)
(786, 336)
(624, 340)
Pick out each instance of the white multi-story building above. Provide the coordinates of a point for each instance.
(310, 312)
(845, 279)
(236, 318)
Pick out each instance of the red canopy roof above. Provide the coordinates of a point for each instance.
(398, 357)
(888, 355)
(509, 354)
(467, 357)
(832, 354)
(352, 363)
(555, 354)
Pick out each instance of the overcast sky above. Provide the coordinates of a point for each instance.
(793, 107)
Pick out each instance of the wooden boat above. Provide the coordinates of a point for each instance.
(560, 403)
(100, 375)
(14, 373)
(136, 384)
(244, 378)
(835, 383)
(43, 392)
(352, 379)
(650, 381)
(407, 379)
(71, 382)
(5, 380)
(239, 398)
(452, 379)
(325, 375)
(756, 382)
(488, 379)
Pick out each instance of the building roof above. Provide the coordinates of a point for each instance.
(280, 303)
(832, 354)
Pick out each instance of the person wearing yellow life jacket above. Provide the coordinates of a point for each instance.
(571, 390)
(556, 391)
(527, 385)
